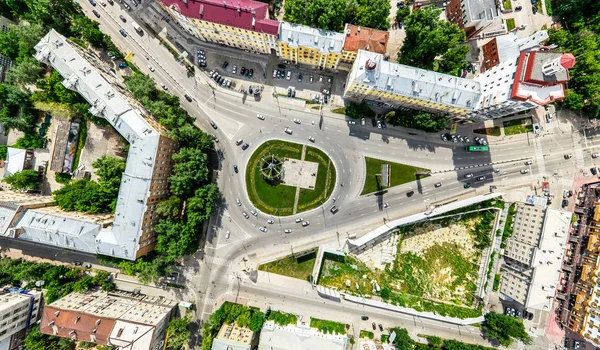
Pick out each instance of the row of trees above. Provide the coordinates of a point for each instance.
(417, 120)
(90, 196)
(333, 14)
(580, 35)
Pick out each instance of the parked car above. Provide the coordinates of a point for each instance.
(263, 229)
(373, 325)
(593, 171)
(568, 156)
(96, 13)
(289, 75)
(299, 77)
(227, 235)
(467, 185)
(288, 130)
(87, 265)
(92, 2)
(151, 68)
(480, 178)
(362, 121)
(528, 162)
(364, 318)
(524, 171)
(297, 121)
(467, 176)
(287, 230)
(163, 86)
(76, 263)
(595, 155)
(564, 203)
(380, 327)
(410, 193)
(225, 64)
(187, 97)
(351, 122)
(235, 168)
(270, 222)
(311, 139)
(250, 73)
(518, 8)
(122, 65)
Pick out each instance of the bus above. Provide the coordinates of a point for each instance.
(477, 148)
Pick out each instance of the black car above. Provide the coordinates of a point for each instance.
(225, 64)
(247, 72)
(593, 171)
(534, 9)
(374, 327)
(243, 71)
(410, 193)
(187, 97)
(364, 318)
(96, 13)
(565, 203)
(374, 122)
(245, 146)
(383, 126)
(380, 327)
(250, 72)
(235, 168)
(518, 8)
(289, 92)
(76, 263)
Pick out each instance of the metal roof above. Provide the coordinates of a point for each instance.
(296, 35)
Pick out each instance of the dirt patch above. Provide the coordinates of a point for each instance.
(430, 234)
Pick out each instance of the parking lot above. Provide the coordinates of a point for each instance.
(235, 65)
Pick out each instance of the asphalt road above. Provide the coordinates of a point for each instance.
(346, 145)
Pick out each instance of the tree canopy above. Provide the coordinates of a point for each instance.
(178, 333)
(580, 35)
(24, 180)
(417, 120)
(333, 14)
(428, 37)
(16, 109)
(403, 339)
(505, 329)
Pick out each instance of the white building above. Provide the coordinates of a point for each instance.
(275, 337)
(125, 320)
(19, 310)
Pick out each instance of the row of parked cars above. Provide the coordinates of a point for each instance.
(509, 311)
(224, 82)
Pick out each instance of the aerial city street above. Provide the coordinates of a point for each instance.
(299, 174)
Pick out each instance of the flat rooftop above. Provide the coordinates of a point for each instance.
(296, 35)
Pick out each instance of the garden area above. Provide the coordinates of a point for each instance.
(510, 24)
(271, 196)
(297, 266)
(399, 174)
(518, 126)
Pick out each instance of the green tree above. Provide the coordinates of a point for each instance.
(200, 206)
(257, 320)
(505, 329)
(385, 293)
(402, 13)
(244, 319)
(24, 180)
(24, 73)
(36, 340)
(84, 196)
(178, 333)
(370, 13)
(18, 43)
(189, 172)
(142, 87)
(109, 170)
(323, 14)
(402, 340)
(3, 152)
(89, 31)
(16, 109)
(454, 60)
(428, 37)
(28, 141)
(169, 208)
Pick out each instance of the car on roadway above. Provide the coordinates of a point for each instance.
(595, 155)
(238, 142)
(497, 170)
(593, 171)
(438, 184)
(287, 230)
(253, 212)
(87, 265)
(227, 235)
(364, 318)
(76, 263)
(260, 116)
(238, 202)
(245, 215)
(214, 126)
(518, 8)
(188, 98)
(235, 168)
(481, 178)
(467, 185)
(92, 2)
(151, 68)
(577, 345)
(270, 222)
(96, 13)
(528, 162)
(351, 122)
(306, 223)
(123, 33)
(467, 176)
(380, 327)
(245, 146)
(263, 229)
(363, 121)
(288, 130)
(568, 156)
(410, 193)
(297, 121)
(311, 139)
(524, 171)
(374, 326)
(164, 87)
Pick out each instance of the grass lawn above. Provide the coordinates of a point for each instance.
(278, 199)
(325, 178)
(399, 174)
(518, 126)
(366, 335)
(493, 131)
(289, 266)
(339, 110)
(325, 326)
(510, 24)
(507, 5)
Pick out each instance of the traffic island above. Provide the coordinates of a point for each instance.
(285, 178)
(382, 174)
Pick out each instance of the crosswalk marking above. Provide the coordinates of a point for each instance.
(218, 261)
(578, 150)
(539, 156)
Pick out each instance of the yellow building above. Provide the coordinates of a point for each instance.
(392, 85)
(300, 44)
(242, 24)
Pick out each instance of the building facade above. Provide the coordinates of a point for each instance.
(585, 314)
(243, 24)
(145, 180)
(122, 319)
(19, 310)
(301, 44)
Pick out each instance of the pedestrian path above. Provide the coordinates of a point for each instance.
(298, 188)
(578, 150)
(217, 261)
(539, 156)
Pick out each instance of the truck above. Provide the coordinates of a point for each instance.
(137, 27)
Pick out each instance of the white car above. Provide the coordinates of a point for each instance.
(238, 202)
(311, 139)
(227, 235)
(288, 130)
(164, 86)
(151, 68)
(595, 155)
(524, 171)
(297, 121)
(351, 122)
(306, 223)
(468, 176)
(287, 230)
(260, 116)
(270, 222)
(253, 212)
(289, 75)
(245, 214)
(299, 220)
(234, 70)
(263, 229)
(528, 162)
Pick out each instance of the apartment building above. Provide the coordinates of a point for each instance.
(122, 319)
(300, 44)
(130, 234)
(243, 24)
(477, 18)
(19, 310)
(533, 255)
(361, 38)
(585, 314)
(233, 337)
(291, 336)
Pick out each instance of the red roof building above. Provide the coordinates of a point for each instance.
(238, 23)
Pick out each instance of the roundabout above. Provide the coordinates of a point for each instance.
(285, 178)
